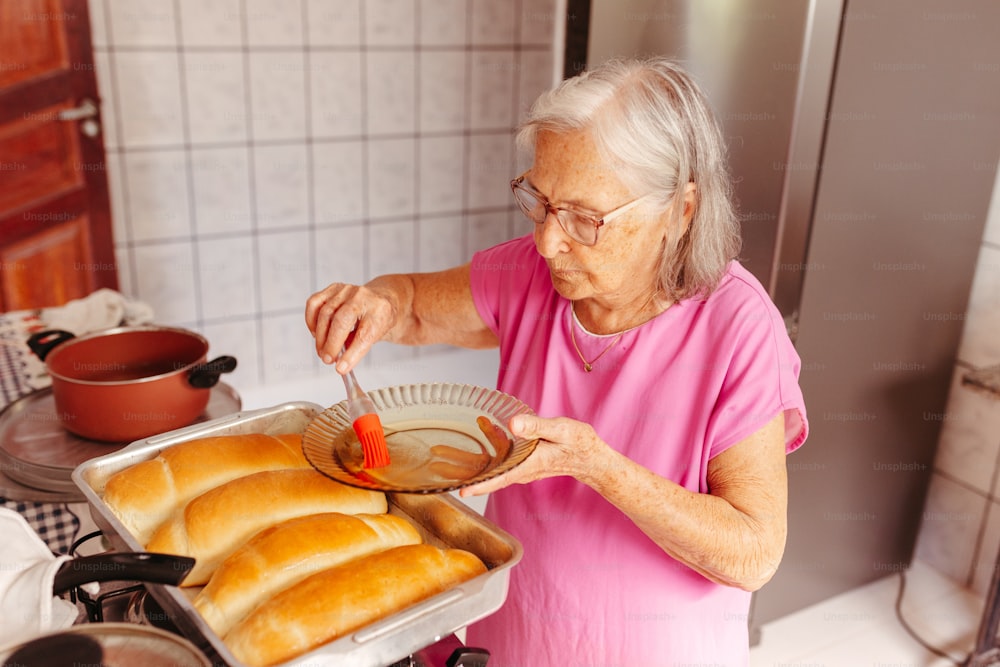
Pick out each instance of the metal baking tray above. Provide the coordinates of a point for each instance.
(440, 518)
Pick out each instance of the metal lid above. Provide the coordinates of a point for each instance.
(38, 453)
(120, 644)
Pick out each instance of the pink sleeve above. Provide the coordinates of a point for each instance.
(501, 279)
(761, 380)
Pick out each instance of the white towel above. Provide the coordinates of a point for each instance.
(101, 309)
(28, 606)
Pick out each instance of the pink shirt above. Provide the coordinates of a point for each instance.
(592, 589)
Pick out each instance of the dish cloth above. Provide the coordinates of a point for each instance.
(101, 309)
(28, 605)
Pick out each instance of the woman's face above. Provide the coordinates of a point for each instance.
(621, 267)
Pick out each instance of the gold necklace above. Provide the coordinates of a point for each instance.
(589, 365)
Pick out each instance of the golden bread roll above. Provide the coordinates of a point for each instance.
(335, 602)
(219, 521)
(284, 554)
(144, 495)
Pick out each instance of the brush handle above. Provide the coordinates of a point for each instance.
(358, 403)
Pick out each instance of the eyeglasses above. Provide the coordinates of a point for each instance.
(581, 227)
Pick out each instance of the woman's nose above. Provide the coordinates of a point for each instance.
(550, 239)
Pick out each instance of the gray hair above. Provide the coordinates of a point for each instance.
(652, 119)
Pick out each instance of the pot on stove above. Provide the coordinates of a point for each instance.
(128, 383)
(111, 644)
(108, 645)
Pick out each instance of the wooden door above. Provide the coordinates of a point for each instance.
(55, 220)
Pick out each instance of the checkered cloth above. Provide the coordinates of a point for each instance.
(57, 525)
(21, 373)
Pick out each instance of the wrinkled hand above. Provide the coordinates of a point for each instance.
(565, 447)
(342, 314)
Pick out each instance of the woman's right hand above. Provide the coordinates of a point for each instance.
(349, 317)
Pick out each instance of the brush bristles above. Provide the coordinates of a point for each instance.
(369, 431)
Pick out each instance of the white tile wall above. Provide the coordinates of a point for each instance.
(281, 185)
(390, 22)
(277, 94)
(952, 519)
(442, 91)
(273, 23)
(211, 24)
(284, 362)
(970, 437)
(489, 170)
(984, 562)
(221, 190)
(442, 165)
(148, 91)
(390, 89)
(338, 181)
(157, 194)
(341, 252)
(215, 90)
(284, 277)
(493, 72)
(537, 22)
(227, 276)
(443, 23)
(960, 532)
(392, 178)
(493, 23)
(261, 149)
(144, 23)
(439, 245)
(334, 23)
(335, 81)
(164, 276)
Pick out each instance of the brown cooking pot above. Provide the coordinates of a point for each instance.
(127, 383)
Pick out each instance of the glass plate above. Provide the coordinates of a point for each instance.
(441, 437)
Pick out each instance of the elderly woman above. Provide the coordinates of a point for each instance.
(664, 382)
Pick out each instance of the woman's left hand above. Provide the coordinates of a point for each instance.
(734, 534)
(565, 447)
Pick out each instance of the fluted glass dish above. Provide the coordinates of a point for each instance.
(441, 437)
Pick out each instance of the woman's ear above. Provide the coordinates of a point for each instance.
(690, 202)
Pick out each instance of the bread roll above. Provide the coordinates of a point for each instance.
(288, 552)
(334, 602)
(219, 521)
(143, 495)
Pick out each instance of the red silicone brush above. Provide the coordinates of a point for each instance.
(367, 425)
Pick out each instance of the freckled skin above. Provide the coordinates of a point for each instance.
(611, 281)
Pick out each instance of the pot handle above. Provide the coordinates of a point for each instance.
(206, 376)
(42, 342)
(139, 566)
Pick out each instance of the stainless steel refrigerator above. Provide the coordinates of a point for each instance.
(864, 137)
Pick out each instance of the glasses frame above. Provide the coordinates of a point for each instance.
(550, 209)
